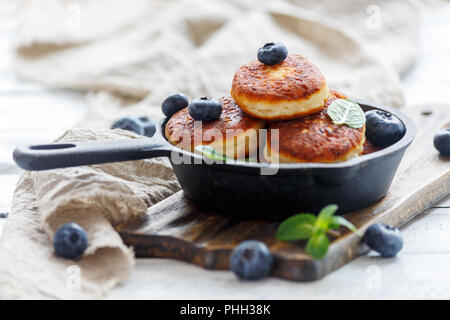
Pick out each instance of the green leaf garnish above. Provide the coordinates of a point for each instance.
(325, 216)
(344, 111)
(211, 153)
(341, 221)
(298, 227)
(317, 245)
(306, 226)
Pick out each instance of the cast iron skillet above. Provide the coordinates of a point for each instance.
(239, 188)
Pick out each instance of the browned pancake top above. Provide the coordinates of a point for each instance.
(316, 138)
(180, 127)
(293, 79)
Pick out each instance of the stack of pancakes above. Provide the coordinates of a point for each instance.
(290, 99)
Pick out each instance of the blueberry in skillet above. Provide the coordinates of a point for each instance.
(205, 109)
(70, 241)
(251, 260)
(382, 128)
(142, 125)
(384, 239)
(442, 142)
(174, 103)
(272, 53)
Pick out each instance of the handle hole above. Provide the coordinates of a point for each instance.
(53, 146)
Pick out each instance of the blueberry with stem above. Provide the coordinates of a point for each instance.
(386, 240)
(382, 128)
(205, 109)
(70, 241)
(272, 53)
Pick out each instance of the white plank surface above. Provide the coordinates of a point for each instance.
(32, 114)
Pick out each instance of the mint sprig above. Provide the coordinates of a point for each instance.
(306, 226)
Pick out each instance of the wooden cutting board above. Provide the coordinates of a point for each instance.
(176, 228)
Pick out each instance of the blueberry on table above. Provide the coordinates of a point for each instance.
(382, 128)
(143, 125)
(174, 103)
(205, 109)
(251, 260)
(70, 241)
(272, 53)
(442, 142)
(384, 239)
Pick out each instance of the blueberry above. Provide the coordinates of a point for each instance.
(383, 128)
(384, 239)
(442, 142)
(143, 125)
(251, 260)
(173, 103)
(272, 53)
(149, 126)
(70, 241)
(205, 109)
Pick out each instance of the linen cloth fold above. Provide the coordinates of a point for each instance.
(158, 47)
(96, 197)
(129, 55)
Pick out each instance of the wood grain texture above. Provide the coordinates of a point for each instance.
(176, 228)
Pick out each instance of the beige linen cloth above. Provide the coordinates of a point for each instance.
(129, 55)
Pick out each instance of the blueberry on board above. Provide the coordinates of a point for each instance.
(173, 103)
(251, 260)
(382, 128)
(143, 126)
(442, 142)
(384, 239)
(205, 109)
(272, 53)
(70, 241)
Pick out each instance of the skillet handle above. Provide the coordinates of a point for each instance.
(80, 153)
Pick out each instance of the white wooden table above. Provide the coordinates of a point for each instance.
(32, 114)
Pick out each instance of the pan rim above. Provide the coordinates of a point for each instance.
(405, 141)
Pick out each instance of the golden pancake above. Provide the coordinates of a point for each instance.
(234, 134)
(314, 138)
(291, 89)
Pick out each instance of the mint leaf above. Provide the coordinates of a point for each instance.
(325, 217)
(297, 227)
(211, 153)
(317, 245)
(341, 221)
(344, 111)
